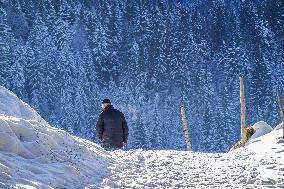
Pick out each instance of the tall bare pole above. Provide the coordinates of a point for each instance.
(280, 107)
(243, 110)
(185, 127)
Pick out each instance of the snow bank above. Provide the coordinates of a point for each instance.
(34, 154)
(280, 126)
(11, 105)
(260, 128)
(268, 153)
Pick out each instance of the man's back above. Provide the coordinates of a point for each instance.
(112, 128)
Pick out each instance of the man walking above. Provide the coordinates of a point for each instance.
(111, 128)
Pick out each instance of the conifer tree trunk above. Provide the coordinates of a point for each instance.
(243, 113)
(281, 108)
(185, 128)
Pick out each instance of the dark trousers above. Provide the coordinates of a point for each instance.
(112, 147)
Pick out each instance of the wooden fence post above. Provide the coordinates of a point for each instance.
(185, 127)
(280, 107)
(243, 113)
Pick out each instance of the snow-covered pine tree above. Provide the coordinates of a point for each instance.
(41, 68)
(8, 43)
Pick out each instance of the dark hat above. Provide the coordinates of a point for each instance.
(106, 101)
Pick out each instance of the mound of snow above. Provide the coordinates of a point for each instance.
(260, 128)
(35, 155)
(280, 126)
(11, 105)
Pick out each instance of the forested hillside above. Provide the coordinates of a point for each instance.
(64, 56)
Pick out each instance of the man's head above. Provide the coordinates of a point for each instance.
(105, 103)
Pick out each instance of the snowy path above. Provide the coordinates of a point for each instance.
(175, 169)
(35, 155)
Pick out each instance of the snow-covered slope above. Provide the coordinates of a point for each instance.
(11, 105)
(35, 155)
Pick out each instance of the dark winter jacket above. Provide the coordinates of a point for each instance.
(112, 128)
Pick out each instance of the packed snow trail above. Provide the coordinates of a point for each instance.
(34, 155)
(259, 165)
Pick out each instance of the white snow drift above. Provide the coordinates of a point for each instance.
(260, 128)
(35, 155)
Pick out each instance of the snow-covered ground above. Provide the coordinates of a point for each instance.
(258, 165)
(35, 155)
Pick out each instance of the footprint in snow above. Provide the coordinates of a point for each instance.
(271, 167)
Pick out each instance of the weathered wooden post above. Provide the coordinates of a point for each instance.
(185, 127)
(243, 110)
(280, 107)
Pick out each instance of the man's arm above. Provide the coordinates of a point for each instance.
(125, 130)
(100, 127)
